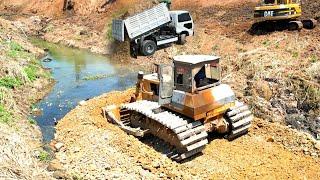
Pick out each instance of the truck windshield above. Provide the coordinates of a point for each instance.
(184, 17)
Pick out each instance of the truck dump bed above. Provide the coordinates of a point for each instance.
(141, 23)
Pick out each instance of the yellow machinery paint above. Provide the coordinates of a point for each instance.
(286, 12)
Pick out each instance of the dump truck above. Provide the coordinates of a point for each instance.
(153, 28)
(182, 103)
(281, 14)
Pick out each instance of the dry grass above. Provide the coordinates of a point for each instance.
(16, 161)
(6, 98)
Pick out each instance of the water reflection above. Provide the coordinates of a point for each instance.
(73, 69)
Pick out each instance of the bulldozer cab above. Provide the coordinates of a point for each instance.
(196, 72)
(188, 73)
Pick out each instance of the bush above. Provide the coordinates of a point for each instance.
(5, 116)
(44, 156)
(32, 121)
(31, 72)
(10, 82)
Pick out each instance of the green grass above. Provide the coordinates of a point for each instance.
(5, 116)
(32, 121)
(31, 72)
(44, 156)
(314, 58)
(295, 54)
(10, 82)
(15, 49)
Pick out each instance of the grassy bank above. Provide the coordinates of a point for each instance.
(23, 82)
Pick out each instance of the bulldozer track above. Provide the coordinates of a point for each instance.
(240, 118)
(188, 138)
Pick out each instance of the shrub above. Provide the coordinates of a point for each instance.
(44, 156)
(31, 72)
(5, 116)
(10, 82)
(32, 121)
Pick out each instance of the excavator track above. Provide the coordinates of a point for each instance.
(240, 118)
(187, 137)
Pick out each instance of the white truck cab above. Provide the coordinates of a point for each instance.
(183, 22)
(152, 28)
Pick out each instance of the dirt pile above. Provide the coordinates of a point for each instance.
(93, 148)
(22, 82)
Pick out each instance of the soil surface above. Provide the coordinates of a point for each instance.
(93, 148)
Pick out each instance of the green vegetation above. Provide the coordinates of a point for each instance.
(15, 49)
(10, 82)
(215, 48)
(44, 156)
(31, 72)
(295, 54)
(266, 42)
(96, 77)
(32, 121)
(5, 116)
(314, 58)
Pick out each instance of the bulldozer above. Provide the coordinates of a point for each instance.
(183, 103)
(280, 15)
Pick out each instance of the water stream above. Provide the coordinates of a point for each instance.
(79, 75)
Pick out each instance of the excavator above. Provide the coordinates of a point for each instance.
(280, 15)
(183, 103)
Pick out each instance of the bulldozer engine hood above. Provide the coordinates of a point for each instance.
(198, 104)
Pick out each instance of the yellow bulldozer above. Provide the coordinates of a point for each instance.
(280, 15)
(181, 103)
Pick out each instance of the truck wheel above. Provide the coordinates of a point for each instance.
(148, 48)
(182, 39)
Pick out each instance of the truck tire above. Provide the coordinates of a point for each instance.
(182, 39)
(148, 47)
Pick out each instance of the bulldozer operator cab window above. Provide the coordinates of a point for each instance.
(208, 75)
(268, 1)
(184, 17)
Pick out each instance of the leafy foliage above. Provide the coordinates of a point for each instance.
(5, 116)
(10, 82)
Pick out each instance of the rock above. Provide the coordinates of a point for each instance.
(107, 167)
(54, 165)
(270, 139)
(83, 32)
(162, 175)
(82, 103)
(314, 154)
(60, 175)
(58, 146)
(317, 146)
(156, 165)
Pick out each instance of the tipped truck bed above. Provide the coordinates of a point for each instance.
(141, 23)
